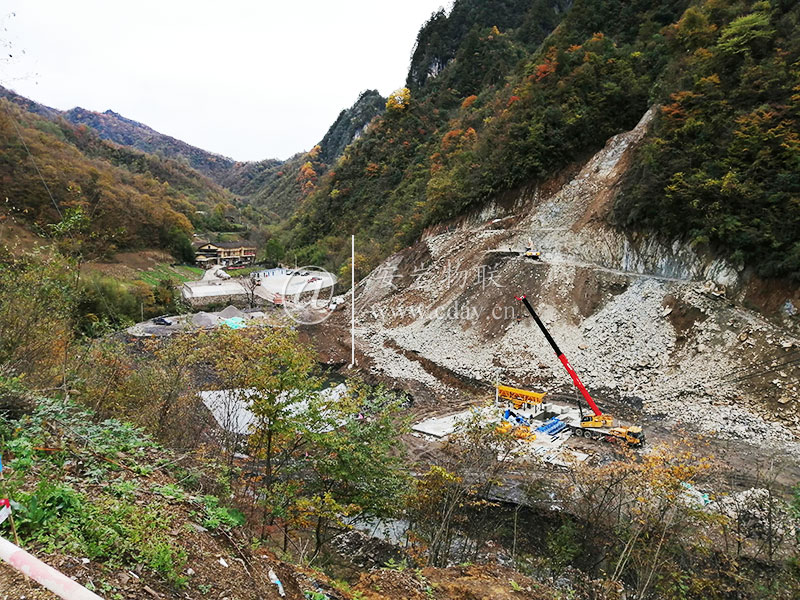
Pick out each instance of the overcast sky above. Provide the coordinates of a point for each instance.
(247, 79)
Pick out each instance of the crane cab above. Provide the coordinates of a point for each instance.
(602, 420)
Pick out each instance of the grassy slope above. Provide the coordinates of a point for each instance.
(100, 500)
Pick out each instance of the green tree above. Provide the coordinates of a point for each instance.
(747, 33)
(272, 374)
(274, 252)
(356, 466)
(180, 245)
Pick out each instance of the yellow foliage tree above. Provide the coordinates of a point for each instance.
(399, 100)
(307, 177)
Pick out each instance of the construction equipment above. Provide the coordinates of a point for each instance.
(597, 425)
(530, 252)
(519, 398)
(504, 427)
(516, 424)
(523, 432)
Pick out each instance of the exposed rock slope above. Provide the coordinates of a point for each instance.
(649, 324)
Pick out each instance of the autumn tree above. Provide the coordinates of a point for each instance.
(307, 177)
(449, 500)
(106, 380)
(153, 386)
(641, 521)
(37, 300)
(92, 197)
(398, 100)
(272, 375)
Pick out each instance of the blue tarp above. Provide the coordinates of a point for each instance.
(234, 323)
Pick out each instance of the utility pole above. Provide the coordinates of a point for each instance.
(352, 301)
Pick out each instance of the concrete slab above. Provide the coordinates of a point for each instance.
(289, 285)
(440, 427)
(231, 408)
(545, 447)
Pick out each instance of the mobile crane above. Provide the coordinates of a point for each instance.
(597, 425)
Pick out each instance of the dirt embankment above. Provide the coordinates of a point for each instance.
(457, 583)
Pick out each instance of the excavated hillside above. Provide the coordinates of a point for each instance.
(655, 330)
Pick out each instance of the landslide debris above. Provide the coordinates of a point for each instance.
(645, 323)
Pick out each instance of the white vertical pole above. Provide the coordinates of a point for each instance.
(352, 300)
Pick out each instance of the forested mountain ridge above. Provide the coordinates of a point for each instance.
(30, 105)
(456, 37)
(490, 110)
(351, 124)
(114, 127)
(495, 116)
(273, 189)
(109, 196)
(268, 190)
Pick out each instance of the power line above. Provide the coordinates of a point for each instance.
(113, 313)
(771, 370)
(36, 166)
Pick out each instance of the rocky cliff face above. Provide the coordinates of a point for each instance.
(351, 124)
(646, 323)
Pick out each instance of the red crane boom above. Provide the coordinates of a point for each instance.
(561, 357)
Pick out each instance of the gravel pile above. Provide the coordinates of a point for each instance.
(204, 319)
(395, 365)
